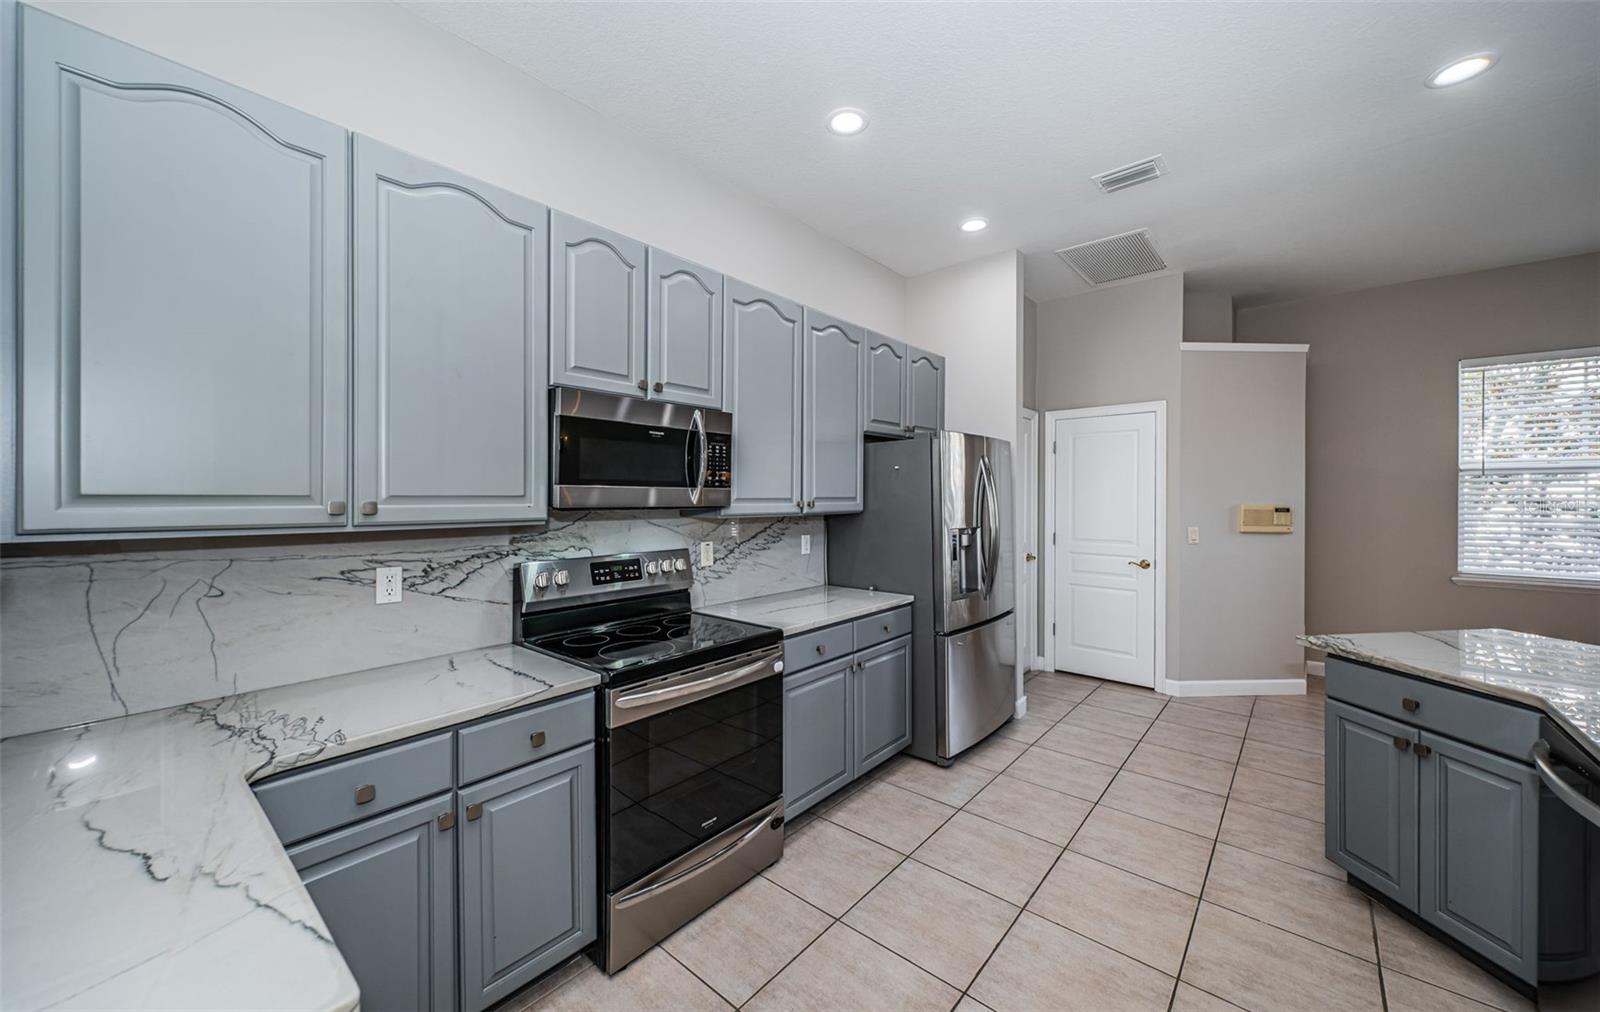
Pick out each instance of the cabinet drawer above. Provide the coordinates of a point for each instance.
(506, 742)
(326, 797)
(875, 629)
(1488, 723)
(819, 645)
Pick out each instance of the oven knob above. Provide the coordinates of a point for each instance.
(541, 580)
(562, 579)
(652, 567)
(680, 564)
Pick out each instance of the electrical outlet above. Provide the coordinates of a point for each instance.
(389, 584)
(708, 554)
(1194, 535)
(805, 544)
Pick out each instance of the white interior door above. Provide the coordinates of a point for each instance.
(1104, 502)
(1028, 525)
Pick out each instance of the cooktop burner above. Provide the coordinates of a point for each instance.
(684, 638)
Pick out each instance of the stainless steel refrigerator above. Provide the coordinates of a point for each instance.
(938, 524)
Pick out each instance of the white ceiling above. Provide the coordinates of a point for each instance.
(1306, 157)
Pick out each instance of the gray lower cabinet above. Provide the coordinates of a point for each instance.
(528, 877)
(450, 363)
(387, 889)
(925, 391)
(1479, 846)
(684, 345)
(597, 308)
(818, 744)
(832, 451)
(882, 703)
(1370, 781)
(763, 364)
(184, 291)
(887, 386)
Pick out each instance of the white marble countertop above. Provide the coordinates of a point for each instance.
(798, 611)
(1559, 677)
(138, 870)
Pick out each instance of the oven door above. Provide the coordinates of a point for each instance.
(610, 452)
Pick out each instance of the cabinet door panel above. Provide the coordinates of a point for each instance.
(528, 882)
(685, 332)
(835, 371)
(1480, 852)
(925, 390)
(450, 345)
(763, 363)
(185, 330)
(597, 308)
(888, 386)
(386, 888)
(818, 750)
(1371, 811)
(882, 703)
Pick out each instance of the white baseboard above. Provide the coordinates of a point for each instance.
(1039, 663)
(1316, 668)
(1239, 687)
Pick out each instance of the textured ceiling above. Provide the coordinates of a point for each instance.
(1306, 156)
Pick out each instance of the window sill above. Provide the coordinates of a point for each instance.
(1513, 583)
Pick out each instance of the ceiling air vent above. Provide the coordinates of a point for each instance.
(1114, 257)
(1131, 175)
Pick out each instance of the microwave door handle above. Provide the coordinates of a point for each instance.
(697, 430)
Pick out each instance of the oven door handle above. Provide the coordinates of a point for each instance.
(758, 822)
(1559, 786)
(700, 686)
(697, 431)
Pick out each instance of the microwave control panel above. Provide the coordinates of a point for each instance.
(719, 460)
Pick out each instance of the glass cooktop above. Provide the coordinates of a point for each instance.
(674, 640)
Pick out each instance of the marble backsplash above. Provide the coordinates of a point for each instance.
(89, 636)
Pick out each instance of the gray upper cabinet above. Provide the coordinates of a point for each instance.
(528, 878)
(184, 297)
(597, 308)
(685, 320)
(888, 386)
(450, 325)
(925, 390)
(386, 888)
(763, 364)
(1371, 790)
(835, 372)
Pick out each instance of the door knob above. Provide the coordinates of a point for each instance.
(1142, 563)
(1029, 557)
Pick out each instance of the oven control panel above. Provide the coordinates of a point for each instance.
(597, 577)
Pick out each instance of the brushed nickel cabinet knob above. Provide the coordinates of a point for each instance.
(365, 794)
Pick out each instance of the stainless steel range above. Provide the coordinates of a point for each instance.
(691, 742)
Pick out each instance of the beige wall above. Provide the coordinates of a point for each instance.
(971, 314)
(1030, 352)
(1244, 436)
(1207, 317)
(1381, 440)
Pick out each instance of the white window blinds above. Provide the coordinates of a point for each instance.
(1528, 491)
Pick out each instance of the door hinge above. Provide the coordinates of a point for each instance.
(1052, 628)
(1052, 446)
(1052, 537)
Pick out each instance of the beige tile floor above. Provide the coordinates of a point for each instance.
(1116, 849)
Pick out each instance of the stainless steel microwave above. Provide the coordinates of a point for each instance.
(610, 452)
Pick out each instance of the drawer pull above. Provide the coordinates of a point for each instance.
(1402, 743)
(536, 739)
(1422, 750)
(474, 812)
(821, 649)
(886, 627)
(1410, 705)
(366, 793)
(447, 821)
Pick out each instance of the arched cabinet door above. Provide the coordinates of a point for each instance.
(597, 308)
(684, 363)
(887, 389)
(834, 404)
(763, 359)
(925, 391)
(185, 297)
(450, 366)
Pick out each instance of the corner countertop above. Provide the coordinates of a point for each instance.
(798, 611)
(1559, 677)
(138, 870)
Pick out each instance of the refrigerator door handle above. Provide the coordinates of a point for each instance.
(990, 531)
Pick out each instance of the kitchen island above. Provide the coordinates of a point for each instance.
(1463, 770)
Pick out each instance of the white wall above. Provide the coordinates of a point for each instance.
(1242, 596)
(378, 69)
(971, 314)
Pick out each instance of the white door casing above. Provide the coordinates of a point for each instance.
(1028, 542)
(1105, 583)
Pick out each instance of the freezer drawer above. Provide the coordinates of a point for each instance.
(977, 683)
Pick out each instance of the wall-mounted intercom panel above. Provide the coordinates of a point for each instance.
(1266, 518)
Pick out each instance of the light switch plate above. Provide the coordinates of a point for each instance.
(708, 554)
(805, 544)
(388, 583)
(1194, 535)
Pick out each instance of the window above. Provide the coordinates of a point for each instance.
(1528, 488)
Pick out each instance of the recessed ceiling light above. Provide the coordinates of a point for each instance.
(1464, 69)
(845, 122)
(975, 224)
